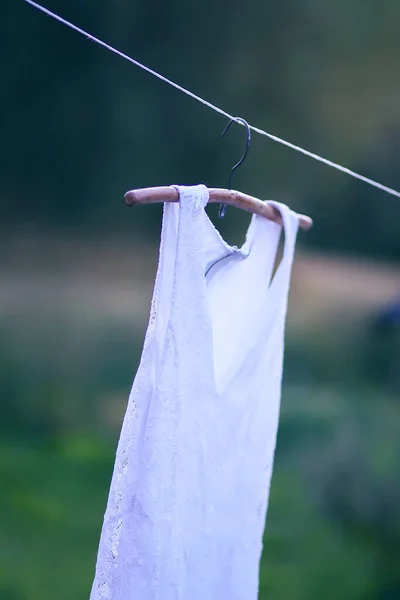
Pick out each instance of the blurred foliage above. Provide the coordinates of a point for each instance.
(333, 520)
(80, 127)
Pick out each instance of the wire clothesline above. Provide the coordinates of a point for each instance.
(274, 138)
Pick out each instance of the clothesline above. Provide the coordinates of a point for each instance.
(216, 108)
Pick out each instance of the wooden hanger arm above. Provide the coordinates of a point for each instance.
(153, 195)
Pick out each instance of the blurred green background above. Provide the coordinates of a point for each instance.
(79, 127)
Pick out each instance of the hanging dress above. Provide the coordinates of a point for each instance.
(189, 493)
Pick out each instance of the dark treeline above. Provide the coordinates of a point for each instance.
(80, 126)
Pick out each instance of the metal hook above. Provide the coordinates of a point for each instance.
(222, 208)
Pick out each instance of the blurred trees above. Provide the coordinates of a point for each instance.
(80, 125)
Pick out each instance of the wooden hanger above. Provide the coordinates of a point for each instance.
(152, 195)
(217, 195)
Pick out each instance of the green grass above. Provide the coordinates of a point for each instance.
(54, 494)
(333, 526)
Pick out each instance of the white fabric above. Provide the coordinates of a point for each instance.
(189, 493)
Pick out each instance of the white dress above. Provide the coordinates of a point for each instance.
(189, 493)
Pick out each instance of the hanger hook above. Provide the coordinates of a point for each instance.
(222, 208)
